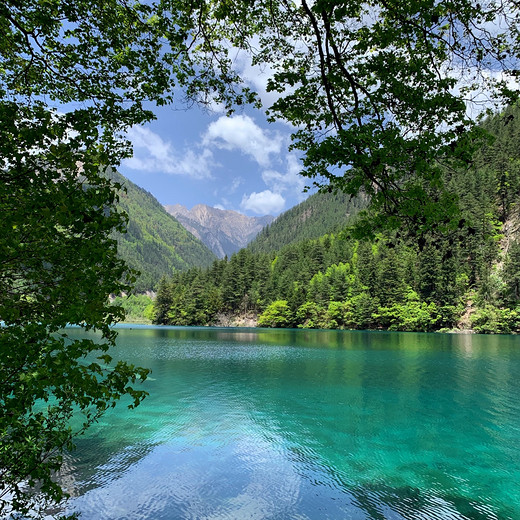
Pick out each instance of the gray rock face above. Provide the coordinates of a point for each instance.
(222, 231)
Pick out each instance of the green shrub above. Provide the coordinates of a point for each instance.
(277, 314)
(138, 307)
(310, 315)
(494, 320)
(413, 315)
(360, 310)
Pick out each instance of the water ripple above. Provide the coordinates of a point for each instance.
(253, 425)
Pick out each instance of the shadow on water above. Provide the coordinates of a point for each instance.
(381, 502)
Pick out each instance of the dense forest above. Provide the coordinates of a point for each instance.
(155, 243)
(468, 277)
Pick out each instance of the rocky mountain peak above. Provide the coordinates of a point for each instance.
(223, 231)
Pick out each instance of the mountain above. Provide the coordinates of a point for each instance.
(155, 243)
(223, 231)
(319, 214)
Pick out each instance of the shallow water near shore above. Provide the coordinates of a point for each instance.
(293, 424)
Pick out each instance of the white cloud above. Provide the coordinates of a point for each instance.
(153, 154)
(242, 133)
(291, 180)
(263, 203)
(196, 165)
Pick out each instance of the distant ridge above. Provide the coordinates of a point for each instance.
(319, 214)
(223, 231)
(155, 243)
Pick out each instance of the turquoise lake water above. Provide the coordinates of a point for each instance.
(293, 424)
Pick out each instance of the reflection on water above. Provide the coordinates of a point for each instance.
(308, 425)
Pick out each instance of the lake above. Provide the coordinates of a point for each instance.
(295, 424)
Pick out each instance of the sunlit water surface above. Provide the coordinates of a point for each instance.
(277, 424)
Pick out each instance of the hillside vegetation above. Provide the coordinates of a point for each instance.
(319, 214)
(155, 243)
(466, 278)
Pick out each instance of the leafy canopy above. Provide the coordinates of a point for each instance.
(74, 75)
(377, 91)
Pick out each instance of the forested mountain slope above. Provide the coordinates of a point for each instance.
(223, 231)
(155, 243)
(319, 214)
(468, 277)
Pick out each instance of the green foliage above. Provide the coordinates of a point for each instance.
(336, 315)
(311, 315)
(277, 314)
(138, 308)
(74, 76)
(325, 283)
(512, 273)
(412, 315)
(360, 311)
(494, 320)
(59, 265)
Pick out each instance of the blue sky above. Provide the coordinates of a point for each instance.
(239, 162)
